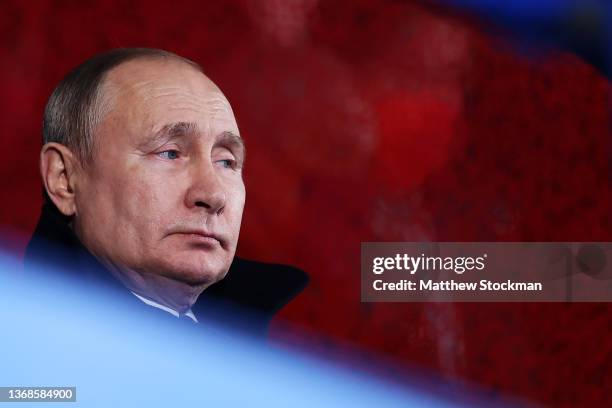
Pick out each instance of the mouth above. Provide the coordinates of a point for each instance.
(202, 238)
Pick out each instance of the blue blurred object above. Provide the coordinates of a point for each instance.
(519, 8)
(581, 26)
(55, 335)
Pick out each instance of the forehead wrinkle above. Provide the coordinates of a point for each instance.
(191, 100)
(219, 100)
(157, 91)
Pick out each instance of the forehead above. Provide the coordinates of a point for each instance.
(150, 93)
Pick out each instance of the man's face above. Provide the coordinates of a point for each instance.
(164, 193)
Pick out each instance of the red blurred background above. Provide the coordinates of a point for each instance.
(369, 121)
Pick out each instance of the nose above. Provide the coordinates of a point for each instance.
(205, 189)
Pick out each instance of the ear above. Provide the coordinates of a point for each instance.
(58, 168)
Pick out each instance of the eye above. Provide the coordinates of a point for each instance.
(169, 154)
(227, 163)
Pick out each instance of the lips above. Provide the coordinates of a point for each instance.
(203, 237)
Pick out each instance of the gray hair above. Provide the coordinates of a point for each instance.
(74, 108)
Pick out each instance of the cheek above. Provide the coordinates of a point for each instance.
(147, 203)
(236, 203)
(134, 203)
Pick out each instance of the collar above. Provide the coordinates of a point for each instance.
(173, 312)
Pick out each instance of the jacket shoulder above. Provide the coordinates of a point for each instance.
(264, 287)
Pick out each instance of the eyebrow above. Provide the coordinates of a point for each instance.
(234, 143)
(181, 129)
(173, 131)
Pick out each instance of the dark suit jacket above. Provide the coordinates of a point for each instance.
(247, 299)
